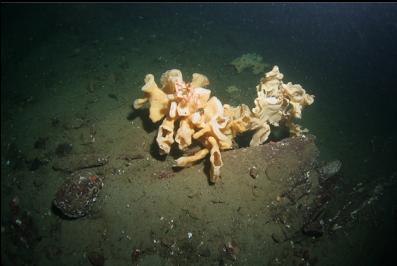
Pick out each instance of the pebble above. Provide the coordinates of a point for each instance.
(253, 172)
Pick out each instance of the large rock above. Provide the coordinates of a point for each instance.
(239, 205)
(78, 193)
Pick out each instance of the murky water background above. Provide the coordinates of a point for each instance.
(72, 71)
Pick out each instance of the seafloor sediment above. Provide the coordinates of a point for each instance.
(269, 207)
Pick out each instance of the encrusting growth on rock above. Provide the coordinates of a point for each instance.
(191, 116)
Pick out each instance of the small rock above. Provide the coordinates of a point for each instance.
(136, 254)
(232, 250)
(276, 238)
(254, 172)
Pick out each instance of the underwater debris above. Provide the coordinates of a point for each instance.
(77, 162)
(129, 158)
(78, 193)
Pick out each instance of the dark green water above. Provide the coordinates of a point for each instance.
(344, 54)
